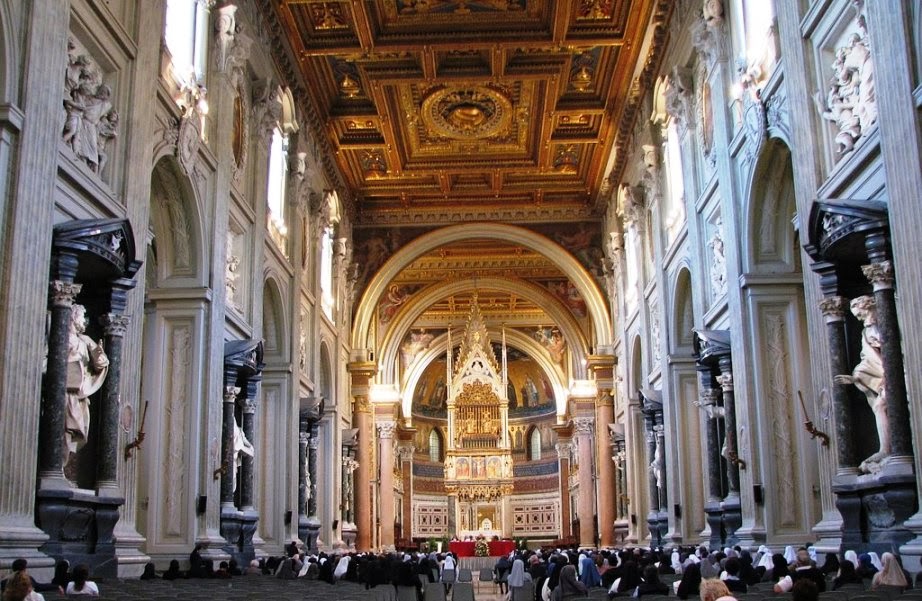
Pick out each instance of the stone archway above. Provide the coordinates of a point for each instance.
(173, 365)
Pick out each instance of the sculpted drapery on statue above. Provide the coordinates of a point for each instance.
(87, 366)
(868, 376)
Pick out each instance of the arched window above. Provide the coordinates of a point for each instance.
(185, 32)
(675, 198)
(435, 446)
(326, 272)
(534, 445)
(327, 294)
(275, 188)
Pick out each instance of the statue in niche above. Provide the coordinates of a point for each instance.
(718, 262)
(241, 445)
(231, 272)
(868, 377)
(87, 366)
(656, 466)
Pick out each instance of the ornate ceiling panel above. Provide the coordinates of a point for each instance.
(506, 109)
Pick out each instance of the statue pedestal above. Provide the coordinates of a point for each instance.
(657, 529)
(80, 526)
(874, 508)
(622, 529)
(312, 533)
(349, 533)
(715, 519)
(732, 519)
(237, 528)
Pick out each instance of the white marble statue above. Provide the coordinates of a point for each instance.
(90, 118)
(242, 445)
(87, 366)
(868, 377)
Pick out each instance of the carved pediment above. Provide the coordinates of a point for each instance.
(837, 229)
(711, 345)
(105, 247)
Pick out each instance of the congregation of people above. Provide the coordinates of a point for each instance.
(550, 575)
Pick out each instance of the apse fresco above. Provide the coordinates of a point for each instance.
(529, 391)
(394, 299)
(582, 240)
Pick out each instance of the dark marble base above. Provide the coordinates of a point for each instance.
(80, 526)
(715, 518)
(873, 510)
(733, 521)
(658, 524)
(622, 528)
(312, 533)
(237, 528)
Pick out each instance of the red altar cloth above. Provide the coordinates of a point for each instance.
(465, 548)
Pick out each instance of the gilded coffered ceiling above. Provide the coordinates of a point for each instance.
(442, 111)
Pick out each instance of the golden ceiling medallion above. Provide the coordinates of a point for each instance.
(466, 112)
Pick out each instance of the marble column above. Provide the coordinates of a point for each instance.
(732, 508)
(880, 274)
(452, 513)
(107, 447)
(227, 447)
(563, 458)
(302, 475)
(361, 372)
(585, 427)
(833, 309)
(52, 448)
(386, 431)
(247, 463)
(405, 453)
(650, 439)
(731, 452)
(606, 493)
(313, 444)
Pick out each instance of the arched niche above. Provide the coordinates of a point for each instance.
(597, 306)
(9, 59)
(770, 245)
(635, 369)
(275, 322)
(405, 319)
(514, 338)
(176, 225)
(325, 373)
(683, 314)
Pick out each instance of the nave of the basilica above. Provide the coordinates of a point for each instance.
(378, 274)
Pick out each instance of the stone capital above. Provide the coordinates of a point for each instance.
(726, 382)
(563, 450)
(584, 425)
(386, 429)
(230, 394)
(833, 308)
(880, 275)
(248, 406)
(304, 437)
(63, 293)
(114, 324)
(405, 453)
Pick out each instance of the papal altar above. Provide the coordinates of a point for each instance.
(465, 548)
